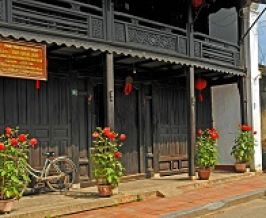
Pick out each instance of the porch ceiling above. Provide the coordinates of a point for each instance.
(83, 45)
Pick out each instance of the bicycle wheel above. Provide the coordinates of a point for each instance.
(60, 174)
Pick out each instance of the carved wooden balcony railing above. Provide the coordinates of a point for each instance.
(73, 19)
(147, 34)
(66, 17)
(216, 50)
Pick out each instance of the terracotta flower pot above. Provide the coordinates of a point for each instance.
(240, 167)
(105, 190)
(204, 174)
(6, 205)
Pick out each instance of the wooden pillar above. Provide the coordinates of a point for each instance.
(243, 99)
(190, 31)
(109, 90)
(108, 9)
(75, 123)
(191, 120)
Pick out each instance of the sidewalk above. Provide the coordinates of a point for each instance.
(191, 203)
(162, 196)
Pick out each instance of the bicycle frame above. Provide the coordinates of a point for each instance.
(38, 174)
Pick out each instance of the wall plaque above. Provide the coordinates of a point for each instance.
(23, 60)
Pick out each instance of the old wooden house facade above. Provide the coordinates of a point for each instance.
(93, 47)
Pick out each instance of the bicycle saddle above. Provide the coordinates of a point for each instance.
(49, 154)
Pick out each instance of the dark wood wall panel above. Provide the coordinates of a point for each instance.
(43, 113)
(203, 110)
(126, 121)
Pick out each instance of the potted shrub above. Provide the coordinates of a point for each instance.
(106, 157)
(243, 149)
(14, 150)
(206, 152)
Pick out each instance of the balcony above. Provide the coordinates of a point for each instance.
(77, 20)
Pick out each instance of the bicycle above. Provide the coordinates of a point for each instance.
(58, 173)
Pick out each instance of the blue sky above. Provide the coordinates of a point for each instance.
(262, 38)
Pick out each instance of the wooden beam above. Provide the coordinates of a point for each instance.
(191, 120)
(109, 90)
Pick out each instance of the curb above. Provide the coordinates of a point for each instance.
(217, 205)
(57, 211)
(65, 209)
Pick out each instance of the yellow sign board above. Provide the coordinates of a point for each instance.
(23, 60)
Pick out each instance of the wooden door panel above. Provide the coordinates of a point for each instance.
(43, 113)
(169, 106)
(126, 121)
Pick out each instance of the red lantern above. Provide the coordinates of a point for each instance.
(200, 85)
(37, 84)
(128, 88)
(197, 3)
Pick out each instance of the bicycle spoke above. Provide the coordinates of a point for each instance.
(60, 174)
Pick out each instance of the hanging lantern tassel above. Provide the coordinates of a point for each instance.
(200, 85)
(197, 3)
(37, 84)
(128, 88)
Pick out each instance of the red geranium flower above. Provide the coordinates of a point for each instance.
(95, 135)
(106, 130)
(8, 130)
(214, 135)
(199, 132)
(14, 142)
(110, 135)
(22, 137)
(123, 137)
(2, 147)
(246, 128)
(33, 142)
(118, 154)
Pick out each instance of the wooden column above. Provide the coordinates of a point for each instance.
(109, 90)
(191, 114)
(191, 120)
(190, 31)
(243, 99)
(75, 122)
(109, 18)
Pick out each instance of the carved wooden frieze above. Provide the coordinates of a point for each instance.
(120, 32)
(182, 48)
(149, 38)
(197, 49)
(97, 28)
(237, 59)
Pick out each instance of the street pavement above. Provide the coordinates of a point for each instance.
(190, 203)
(252, 209)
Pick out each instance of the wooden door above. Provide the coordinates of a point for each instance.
(127, 121)
(43, 113)
(84, 106)
(170, 128)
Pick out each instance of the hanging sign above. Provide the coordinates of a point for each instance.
(23, 60)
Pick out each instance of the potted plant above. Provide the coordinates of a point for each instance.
(206, 152)
(243, 149)
(14, 150)
(106, 159)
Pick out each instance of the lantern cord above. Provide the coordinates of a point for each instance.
(198, 12)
